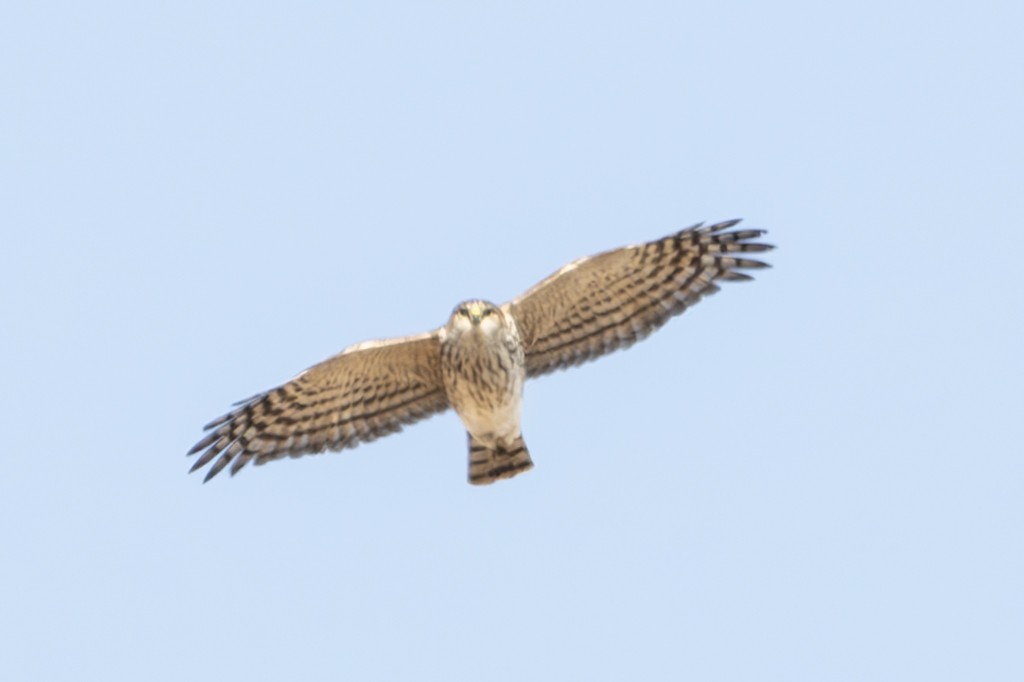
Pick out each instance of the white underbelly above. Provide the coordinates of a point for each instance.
(492, 425)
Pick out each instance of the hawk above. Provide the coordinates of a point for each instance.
(478, 361)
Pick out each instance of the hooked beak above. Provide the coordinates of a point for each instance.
(476, 313)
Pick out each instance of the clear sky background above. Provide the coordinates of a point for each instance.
(814, 476)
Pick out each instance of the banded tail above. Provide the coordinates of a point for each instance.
(488, 464)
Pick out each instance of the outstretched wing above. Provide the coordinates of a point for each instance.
(366, 391)
(601, 303)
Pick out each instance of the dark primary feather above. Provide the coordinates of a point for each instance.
(360, 394)
(598, 304)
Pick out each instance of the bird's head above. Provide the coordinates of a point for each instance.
(479, 315)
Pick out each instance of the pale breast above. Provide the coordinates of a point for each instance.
(484, 371)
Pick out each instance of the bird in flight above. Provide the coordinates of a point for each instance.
(478, 361)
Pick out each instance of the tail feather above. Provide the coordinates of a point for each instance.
(487, 464)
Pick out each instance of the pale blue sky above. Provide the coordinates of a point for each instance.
(814, 476)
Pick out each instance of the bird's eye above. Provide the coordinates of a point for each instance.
(486, 312)
(463, 310)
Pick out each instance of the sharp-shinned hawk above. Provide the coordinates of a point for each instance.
(478, 361)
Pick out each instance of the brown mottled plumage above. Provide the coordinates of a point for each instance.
(478, 361)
